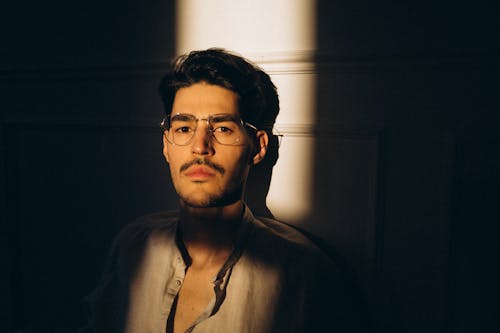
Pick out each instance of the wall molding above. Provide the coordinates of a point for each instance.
(280, 129)
(81, 125)
(276, 63)
(322, 130)
(370, 247)
(85, 72)
(5, 241)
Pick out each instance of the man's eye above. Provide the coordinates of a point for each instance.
(183, 129)
(223, 129)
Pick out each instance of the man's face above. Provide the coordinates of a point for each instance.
(206, 173)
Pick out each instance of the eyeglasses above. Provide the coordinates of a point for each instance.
(226, 129)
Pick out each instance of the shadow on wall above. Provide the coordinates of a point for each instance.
(82, 154)
(259, 179)
(425, 75)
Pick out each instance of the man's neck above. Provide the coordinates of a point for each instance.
(209, 233)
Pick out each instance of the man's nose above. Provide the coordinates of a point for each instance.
(202, 140)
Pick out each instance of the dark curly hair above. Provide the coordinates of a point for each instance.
(258, 99)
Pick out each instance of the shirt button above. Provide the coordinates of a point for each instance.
(177, 283)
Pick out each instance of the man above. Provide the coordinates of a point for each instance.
(213, 266)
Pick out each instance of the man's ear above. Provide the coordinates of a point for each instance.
(261, 142)
(165, 146)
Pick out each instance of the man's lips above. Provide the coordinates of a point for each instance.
(203, 165)
(199, 172)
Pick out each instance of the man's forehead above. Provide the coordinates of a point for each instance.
(218, 117)
(203, 99)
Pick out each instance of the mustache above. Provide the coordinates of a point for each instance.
(203, 161)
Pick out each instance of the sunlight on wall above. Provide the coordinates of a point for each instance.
(280, 37)
(246, 26)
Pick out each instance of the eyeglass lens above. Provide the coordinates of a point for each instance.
(224, 128)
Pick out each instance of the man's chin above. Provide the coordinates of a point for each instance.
(188, 202)
(209, 201)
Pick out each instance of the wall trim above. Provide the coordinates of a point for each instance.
(276, 63)
(320, 130)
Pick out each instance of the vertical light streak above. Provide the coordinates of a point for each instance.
(280, 36)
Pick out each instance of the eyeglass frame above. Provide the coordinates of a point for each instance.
(166, 125)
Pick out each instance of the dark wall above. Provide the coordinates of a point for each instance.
(409, 92)
(80, 147)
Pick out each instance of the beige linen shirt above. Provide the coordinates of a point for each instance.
(275, 280)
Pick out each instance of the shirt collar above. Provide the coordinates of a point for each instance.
(222, 278)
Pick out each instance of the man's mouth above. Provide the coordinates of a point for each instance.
(199, 172)
(202, 166)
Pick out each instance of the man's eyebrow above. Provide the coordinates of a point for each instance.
(183, 117)
(223, 117)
